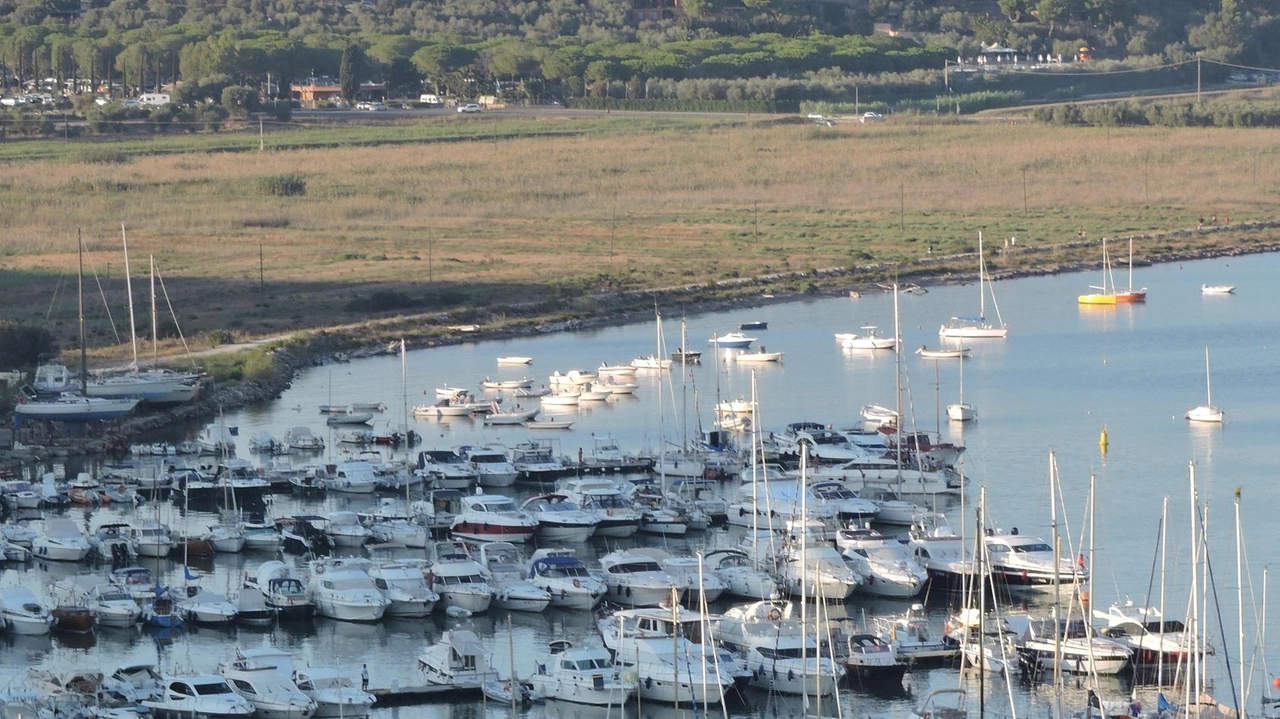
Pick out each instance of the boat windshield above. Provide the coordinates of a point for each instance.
(634, 567)
(212, 688)
(1027, 548)
(493, 458)
(498, 506)
(610, 501)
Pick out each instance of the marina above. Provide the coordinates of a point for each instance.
(1061, 379)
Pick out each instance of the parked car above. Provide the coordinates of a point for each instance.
(469, 107)
(872, 117)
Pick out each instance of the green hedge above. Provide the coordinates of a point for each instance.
(611, 103)
(1164, 114)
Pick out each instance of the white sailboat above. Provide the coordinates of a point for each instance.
(961, 411)
(1206, 412)
(977, 327)
(71, 406)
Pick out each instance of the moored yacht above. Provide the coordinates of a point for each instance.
(343, 590)
(335, 694)
(560, 520)
(582, 676)
(636, 579)
(282, 590)
(504, 572)
(740, 575)
(886, 564)
(493, 468)
(602, 498)
(783, 655)
(672, 654)
(458, 578)
(566, 579)
(205, 695)
(493, 518)
(405, 588)
(459, 660)
(1029, 562)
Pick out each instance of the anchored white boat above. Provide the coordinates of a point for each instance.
(458, 660)
(977, 327)
(582, 676)
(564, 576)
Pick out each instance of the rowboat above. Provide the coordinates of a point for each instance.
(549, 423)
(958, 353)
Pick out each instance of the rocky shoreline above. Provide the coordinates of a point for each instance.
(317, 347)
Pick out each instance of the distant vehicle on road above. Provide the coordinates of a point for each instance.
(469, 107)
(868, 117)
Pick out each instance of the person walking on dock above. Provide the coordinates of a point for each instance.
(364, 677)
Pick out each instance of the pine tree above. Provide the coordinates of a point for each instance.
(348, 73)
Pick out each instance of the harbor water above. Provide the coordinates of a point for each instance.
(1065, 376)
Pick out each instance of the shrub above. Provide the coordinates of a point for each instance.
(290, 184)
(217, 338)
(102, 156)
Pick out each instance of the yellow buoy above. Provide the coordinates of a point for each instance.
(1102, 439)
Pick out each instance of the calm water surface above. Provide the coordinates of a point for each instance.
(1064, 374)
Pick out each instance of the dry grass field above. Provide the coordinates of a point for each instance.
(623, 203)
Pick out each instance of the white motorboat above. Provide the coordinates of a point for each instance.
(200, 606)
(879, 414)
(893, 508)
(582, 676)
(740, 575)
(651, 362)
(1029, 562)
(1217, 289)
(493, 518)
(504, 572)
(561, 398)
(977, 327)
(351, 478)
(335, 694)
(870, 339)
(150, 538)
(111, 542)
(572, 378)
(252, 610)
(911, 637)
(635, 579)
(817, 571)
(731, 340)
(60, 540)
(699, 585)
(216, 439)
(345, 530)
(615, 370)
(302, 439)
(537, 461)
(111, 605)
(782, 654)
(560, 520)
(458, 578)
(671, 654)
(282, 589)
(349, 418)
(515, 360)
(602, 498)
(847, 505)
(1206, 412)
(405, 588)
(342, 589)
(228, 537)
(548, 423)
(446, 469)
(1042, 643)
(871, 661)
(1151, 639)
(493, 468)
(22, 613)
(615, 385)
(564, 576)
(886, 564)
(204, 695)
(511, 417)
(271, 691)
(755, 357)
(946, 556)
(458, 660)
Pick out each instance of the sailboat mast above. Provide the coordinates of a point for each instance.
(1057, 563)
(155, 344)
(897, 367)
(128, 284)
(1164, 551)
(1131, 264)
(1208, 384)
(84, 358)
(1244, 685)
(982, 280)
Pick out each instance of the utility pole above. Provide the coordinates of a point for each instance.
(262, 146)
(1197, 78)
(430, 242)
(1024, 192)
(262, 282)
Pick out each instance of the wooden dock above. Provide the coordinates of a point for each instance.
(405, 695)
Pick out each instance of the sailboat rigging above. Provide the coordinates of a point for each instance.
(978, 327)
